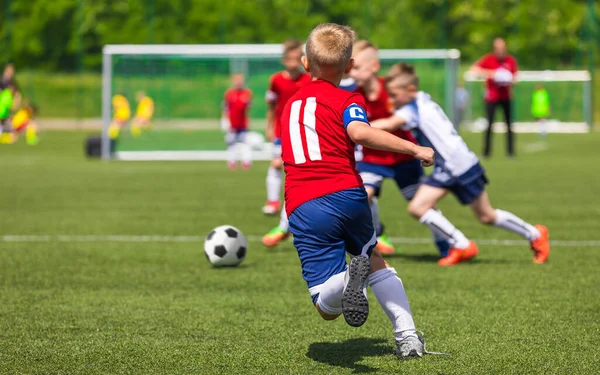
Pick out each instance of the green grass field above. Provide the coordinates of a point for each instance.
(148, 305)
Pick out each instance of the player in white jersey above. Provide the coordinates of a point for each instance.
(456, 170)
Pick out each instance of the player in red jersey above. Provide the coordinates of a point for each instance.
(234, 121)
(325, 198)
(281, 87)
(499, 69)
(377, 165)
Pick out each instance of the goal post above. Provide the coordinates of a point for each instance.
(570, 93)
(187, 83)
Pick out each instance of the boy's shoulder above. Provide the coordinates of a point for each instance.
(327, 92)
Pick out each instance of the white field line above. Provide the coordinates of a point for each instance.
(150, 239)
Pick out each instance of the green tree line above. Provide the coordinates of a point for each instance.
(68, 35)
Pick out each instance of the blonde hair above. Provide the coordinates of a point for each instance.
(364, 45)
(291, 45)
(402, 74)
(329, 45)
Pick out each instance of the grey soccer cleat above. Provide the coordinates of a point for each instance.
(355, 305)
(413, 347)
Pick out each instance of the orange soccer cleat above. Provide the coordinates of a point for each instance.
(275, 236)
(541, 245)
(456, 256)
(385, 246)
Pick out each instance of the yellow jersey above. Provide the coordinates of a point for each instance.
(145, 108)
(121, 108)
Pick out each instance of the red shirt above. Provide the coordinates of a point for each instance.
(281, 89)
(317, 153)
(494, 92)
(378, 109)
(237, 102)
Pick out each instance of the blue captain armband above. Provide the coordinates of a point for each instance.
(354, 112)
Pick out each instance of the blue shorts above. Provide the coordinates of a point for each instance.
(328, 227)
(276, 148)
(466, 187)
(235, 135)
(407, 176)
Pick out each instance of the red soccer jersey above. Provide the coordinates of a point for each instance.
(237, 102)
(317, 153)
(281, 89)
(494, 92)
(378, 109)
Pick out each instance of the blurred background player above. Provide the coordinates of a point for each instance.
(234, 121)
(461, 101)
(456, 170)
(8, 78)
(22, 121)
(540, 107)
(143, 114)
(121, 114)
(7, 96)
(499, 69)
(325, 197)
(282, 86)
(376, 165)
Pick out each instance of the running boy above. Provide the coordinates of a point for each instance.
(143, 114)
(325, 198)
(456, 170)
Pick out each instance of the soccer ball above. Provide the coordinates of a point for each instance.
(225, 246)
(503, 77)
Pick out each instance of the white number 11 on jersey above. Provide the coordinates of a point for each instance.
(312, 138)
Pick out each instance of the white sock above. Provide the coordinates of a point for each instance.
(231, 153)
(390, 294)
(273, 184)
(246, 153)
(513, 223)
(330, 294)
(375, 213)
(283, 219)
(444, 228)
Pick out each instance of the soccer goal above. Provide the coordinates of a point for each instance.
(187, 83)
(569, 91)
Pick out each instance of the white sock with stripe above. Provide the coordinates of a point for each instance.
(444, 229)
(513, 223)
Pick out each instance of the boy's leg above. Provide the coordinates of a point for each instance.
(280, 232)
(422, 208)
(246, 150)
(537, 235)
(408, 177)
(319, 239)
(490, 108)
(274, 181)
(230, 141)
(372, 176)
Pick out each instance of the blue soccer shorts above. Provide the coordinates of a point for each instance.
(328, 227)
(235, 135)
(466, 187)
(407, 176)
(276, 153)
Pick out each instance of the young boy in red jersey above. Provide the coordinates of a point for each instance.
(377, 165)
(325, 198)
(234, 121)
(282, 86)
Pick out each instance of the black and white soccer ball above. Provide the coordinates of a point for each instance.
(225, 246)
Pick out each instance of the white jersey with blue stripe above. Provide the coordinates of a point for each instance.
(432, 128)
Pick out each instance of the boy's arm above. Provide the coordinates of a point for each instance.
(480, 69)
(361, 133)
(391, 123)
